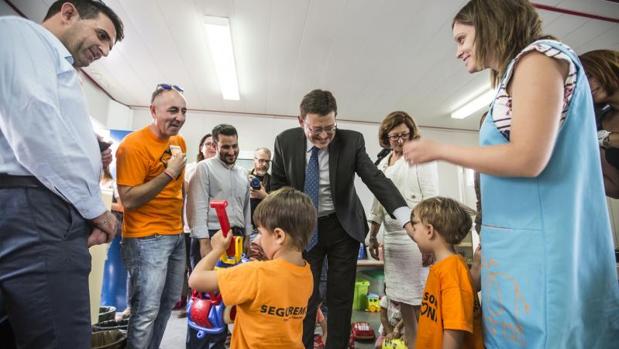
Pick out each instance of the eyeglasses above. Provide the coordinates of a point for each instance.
(169, 87)
(318, 130)
(397, 137)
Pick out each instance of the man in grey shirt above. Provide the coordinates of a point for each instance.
(218, 178)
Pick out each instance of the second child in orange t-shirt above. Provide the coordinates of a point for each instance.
(271, 296)
(450, 314)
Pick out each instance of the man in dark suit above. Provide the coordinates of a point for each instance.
(318, 152)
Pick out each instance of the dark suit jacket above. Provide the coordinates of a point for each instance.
(347, 156)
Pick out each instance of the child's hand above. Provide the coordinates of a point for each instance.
(219, 243)
(476, 269)
(477, 257)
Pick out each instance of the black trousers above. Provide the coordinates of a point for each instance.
(341, 251)
(44, 266)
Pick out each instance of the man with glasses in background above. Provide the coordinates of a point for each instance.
(150, 166)
(322, 161)
(259, 178)
(51, 208)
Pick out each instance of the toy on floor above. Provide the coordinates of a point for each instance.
(394, 343)
(362, 331)
(318, 343)
(373, 303)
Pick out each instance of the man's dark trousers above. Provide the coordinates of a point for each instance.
(44, 267)
(341, 250)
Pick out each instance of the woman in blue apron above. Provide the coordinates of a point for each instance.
(548, 272)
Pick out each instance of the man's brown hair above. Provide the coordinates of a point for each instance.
(290, 210)
(450, 219)
(319, 102)
(89, 9)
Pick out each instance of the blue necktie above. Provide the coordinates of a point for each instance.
(310, 187)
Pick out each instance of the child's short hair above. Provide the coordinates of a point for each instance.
(290, 210)
(450, 219)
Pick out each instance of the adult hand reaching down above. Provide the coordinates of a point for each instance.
(103, 229)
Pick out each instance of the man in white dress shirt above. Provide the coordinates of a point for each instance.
(218, 178)
(50, 203)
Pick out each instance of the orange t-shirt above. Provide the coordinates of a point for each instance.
(141, 157)
(271, 299)
(449, 303)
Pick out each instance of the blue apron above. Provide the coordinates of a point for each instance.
(548, 277)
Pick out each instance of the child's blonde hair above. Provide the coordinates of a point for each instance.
(450, 219)
(289, 210)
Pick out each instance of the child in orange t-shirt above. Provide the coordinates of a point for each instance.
(450, 314)
(271, 296)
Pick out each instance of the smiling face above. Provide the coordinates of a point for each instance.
(168, 111)
(228, 148)
(319, 129)
(86, 39)
(464, 36)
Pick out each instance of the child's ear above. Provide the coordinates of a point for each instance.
(431, 231)
(280, 236)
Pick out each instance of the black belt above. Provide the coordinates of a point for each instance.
(9, 181)
(330, 215)
(237, 231)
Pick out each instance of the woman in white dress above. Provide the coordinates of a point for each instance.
(404, 275)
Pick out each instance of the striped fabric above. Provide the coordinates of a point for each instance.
(502, 115)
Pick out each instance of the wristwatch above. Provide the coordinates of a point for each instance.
(606, 141)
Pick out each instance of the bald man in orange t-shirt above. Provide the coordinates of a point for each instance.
(150, 166)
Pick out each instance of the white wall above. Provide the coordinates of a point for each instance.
(259, 130)
(109, 113)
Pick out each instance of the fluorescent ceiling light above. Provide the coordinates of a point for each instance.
(220, 44)
(471, 106)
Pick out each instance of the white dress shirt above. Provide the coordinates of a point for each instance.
(215, 180)
(45, 129)
(325, 200)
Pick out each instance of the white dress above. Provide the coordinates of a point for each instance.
(404, 274)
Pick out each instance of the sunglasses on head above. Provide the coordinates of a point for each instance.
(169, 87)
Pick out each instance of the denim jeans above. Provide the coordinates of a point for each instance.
(156, 265)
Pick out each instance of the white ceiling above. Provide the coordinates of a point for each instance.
(375, 56)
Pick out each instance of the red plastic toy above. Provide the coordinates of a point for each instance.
(362, 330)
(205, 312)
(220, 207)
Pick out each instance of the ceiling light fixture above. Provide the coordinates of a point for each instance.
(220, 44)
(470, 106)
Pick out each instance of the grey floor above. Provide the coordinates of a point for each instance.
(174, 336)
